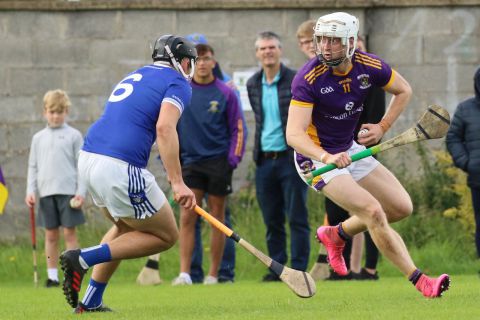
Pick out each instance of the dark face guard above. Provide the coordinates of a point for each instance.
(178, 64)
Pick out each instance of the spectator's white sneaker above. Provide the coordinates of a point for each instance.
(182, 279)
(210, 280)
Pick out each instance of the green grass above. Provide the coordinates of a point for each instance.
(389, 298)
(436, 244)
(434, 258)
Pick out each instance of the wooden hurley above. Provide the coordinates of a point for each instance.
(433, 124)
(298, 281)
(34, 246)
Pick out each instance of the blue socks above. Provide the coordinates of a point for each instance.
(94, 294)
(90, 257)
(95, 255)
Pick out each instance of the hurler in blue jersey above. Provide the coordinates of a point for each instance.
(143, 109)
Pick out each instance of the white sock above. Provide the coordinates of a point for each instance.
(52, 274)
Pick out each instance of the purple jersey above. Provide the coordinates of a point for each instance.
(337, 99)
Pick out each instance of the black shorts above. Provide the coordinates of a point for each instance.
(335, 213)
(55, 211)
(213, 176)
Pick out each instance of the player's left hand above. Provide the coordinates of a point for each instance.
(369, 134)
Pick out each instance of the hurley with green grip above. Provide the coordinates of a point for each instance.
(433, 124)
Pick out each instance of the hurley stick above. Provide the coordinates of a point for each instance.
(433, 124)
(298, 281)
(34, 246)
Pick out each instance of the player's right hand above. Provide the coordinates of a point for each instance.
(341, 160)
(184, 196)
(30, 200)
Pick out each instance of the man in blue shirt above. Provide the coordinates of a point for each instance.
(143, 108)
(212, 143)
(280, 192)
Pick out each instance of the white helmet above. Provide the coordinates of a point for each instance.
(337, 25)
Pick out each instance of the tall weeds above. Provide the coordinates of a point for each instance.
(441, 210)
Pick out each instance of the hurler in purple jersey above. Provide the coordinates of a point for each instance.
(327, 98)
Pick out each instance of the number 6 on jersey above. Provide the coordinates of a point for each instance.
(126, 87)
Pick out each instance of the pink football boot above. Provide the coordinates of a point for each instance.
(433, 287)
(334, 245)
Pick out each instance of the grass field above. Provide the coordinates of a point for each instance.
(389, 298)
(437, 245)
(393, 297)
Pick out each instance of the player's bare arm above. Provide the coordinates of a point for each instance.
(402, 92)
(168, 147)
(298, 120)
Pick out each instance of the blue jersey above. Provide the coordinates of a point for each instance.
(127, 128)
(213, 125)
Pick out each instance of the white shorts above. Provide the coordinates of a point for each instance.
(125, 190)
(357, 169)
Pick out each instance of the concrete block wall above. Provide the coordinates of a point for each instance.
(436, 49)
(88, 52)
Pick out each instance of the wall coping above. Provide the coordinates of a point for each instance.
(74, 5)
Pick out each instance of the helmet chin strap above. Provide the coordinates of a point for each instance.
(177, 66)
(331, 63)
